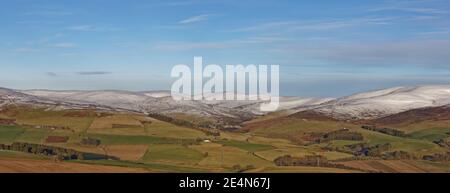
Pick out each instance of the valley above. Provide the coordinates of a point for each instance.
(123, 134)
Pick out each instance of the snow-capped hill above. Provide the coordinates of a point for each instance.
(157, 94)
(367, 105)
(371, 94)
(143, 102)
(386, 102)
(93, 96)
(162, 102)
(115, 99)
(11, 97)
(287, 103)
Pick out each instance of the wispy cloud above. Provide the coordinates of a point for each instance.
(48, 13)
(62, 45)
(316, 24)
(177, 46)
(51, 74)
(342, 23)
(266, 26)
(26, 50)
(413, 52)
(416, 7)
(179, 3)
(431, 11)
(436, 32)
(91, 28)
(93, 73)
(40, 22)
(194, 19)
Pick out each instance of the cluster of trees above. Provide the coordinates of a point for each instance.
(232, 128)
(7, 122)
(398, 155)
(59, 152)
(174, 121)
(206, 128)
(119, 126)
(309, 160)
(238, 168)
(342, 134)
(188, 142)
(443, 143)
(143, 122)
(387, 131)
(364, 149)
(439, 157)
(90, 141)
(47, 127)
(86, 113)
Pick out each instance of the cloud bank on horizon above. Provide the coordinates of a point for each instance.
(324, 48)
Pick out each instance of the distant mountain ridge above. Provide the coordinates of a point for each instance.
(148, 102)
(365, 105)
(381, 103)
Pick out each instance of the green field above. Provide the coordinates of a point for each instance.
(251, 147)
(157, 146)
(9, 134)
(138, 139)
(176, 154)
(432, 134)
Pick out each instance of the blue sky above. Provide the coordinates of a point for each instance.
(324, 48)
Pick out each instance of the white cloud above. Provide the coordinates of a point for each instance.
(49, 13)
(88, 73)
(177, 46)
(51, 74)
(413, 52)
(266, 26)
(443, 31)
(431, 11)
(316, 25)
(62, 45)
(194, 19)
(91, 28)
(179, 3)
(26, 50)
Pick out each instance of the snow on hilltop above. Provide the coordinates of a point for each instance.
(385, 102)
(162, 102)
(366, 105)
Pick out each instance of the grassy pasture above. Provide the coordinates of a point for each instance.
(163, 129)
(219, 155)
(175, 154)
(9, 134)
(133, 139)
(33, 135)
(294, 127)
(250, 147)
(150, 167)
(300, 169)
(107, 122)
(156, 146)
(396, 166)
(432, 134)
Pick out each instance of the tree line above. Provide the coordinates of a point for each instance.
(59, 152)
